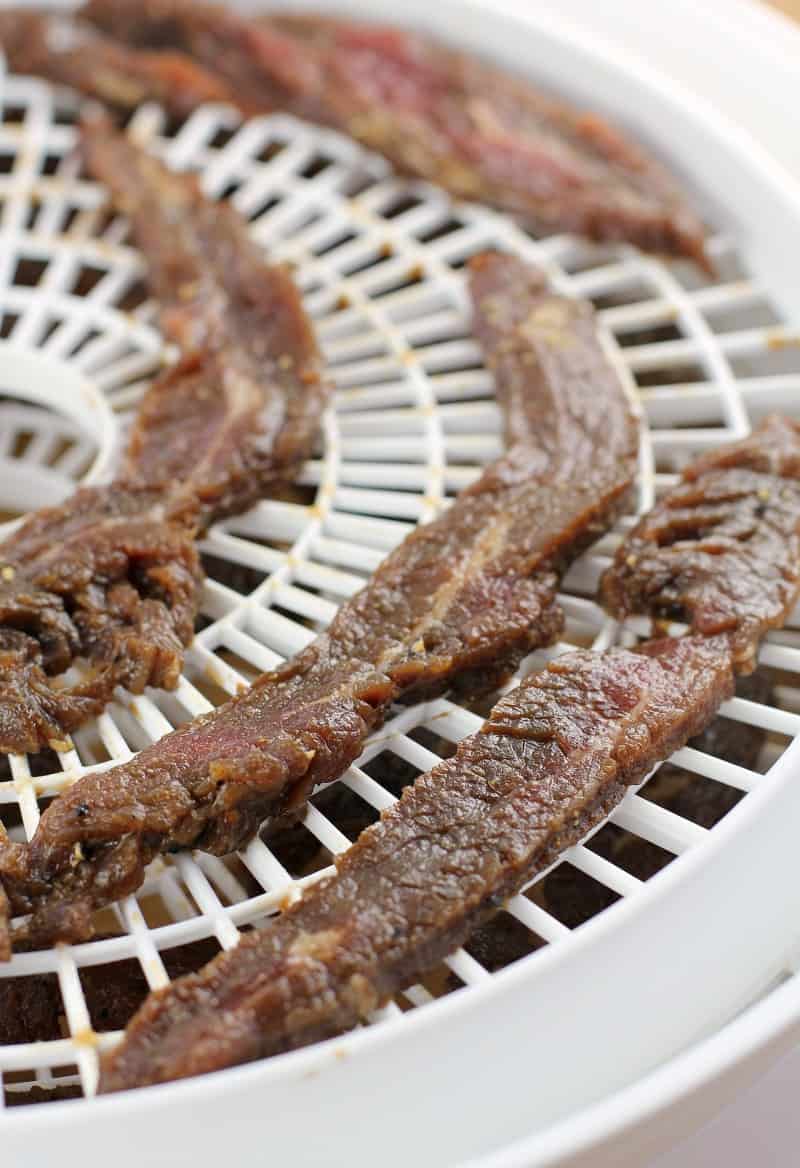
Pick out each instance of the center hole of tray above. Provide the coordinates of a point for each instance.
(56, 432)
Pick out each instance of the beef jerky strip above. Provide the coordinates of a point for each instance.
(566, 892)
(571, 896)
(551, 761)
(112, 575)
(460, 601)
(69, 51)
(722, 549)
(435, 113)
(250, 413)
(110, 578)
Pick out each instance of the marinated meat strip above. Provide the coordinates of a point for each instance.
(435, 113)
(570, 895)
(566, 892)
(722, 550)
(703, 800)
(247, 408)
(553, 758)
(69, 51)
(111, 577)
(458, 603)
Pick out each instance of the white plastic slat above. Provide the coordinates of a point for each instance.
(412, 417)
(602, 870)
(656, 824)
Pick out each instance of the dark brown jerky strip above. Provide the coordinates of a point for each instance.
(69, 51)
(553, 758)
(435, 113)
(566, 892)
(108, 577)
(111, 577)
(573, 897)
(460, 602)
(722, 549)
(248, 406)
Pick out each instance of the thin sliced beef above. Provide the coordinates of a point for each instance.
(722, 549)
(553, 758)
(247, 408)
(110, 579)
(570, 895)
(69, 51)
(458, 603)
(436, 114)
(703, 800)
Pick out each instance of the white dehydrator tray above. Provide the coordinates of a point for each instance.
(516, 1067)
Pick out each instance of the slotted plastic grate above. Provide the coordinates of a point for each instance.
(411, 423)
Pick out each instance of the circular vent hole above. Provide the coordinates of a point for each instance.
(56, 432)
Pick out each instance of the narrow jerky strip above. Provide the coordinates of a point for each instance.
(456, 605)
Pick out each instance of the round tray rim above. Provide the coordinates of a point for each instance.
(760, 1026)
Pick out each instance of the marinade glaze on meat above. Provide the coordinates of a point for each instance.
(459, 602)
(247, 406)
(69, 51)
(553, 758)
(110, 577)
(438, 114)
(551, 761)
(721, 550)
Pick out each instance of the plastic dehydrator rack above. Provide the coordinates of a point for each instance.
(579, 1012)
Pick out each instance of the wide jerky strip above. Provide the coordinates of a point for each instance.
(112, 575)
(69, 51)
(109, 577)
(722, 549)
(248, 407)
(435, 113)
(553, 758)
(459, 602)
